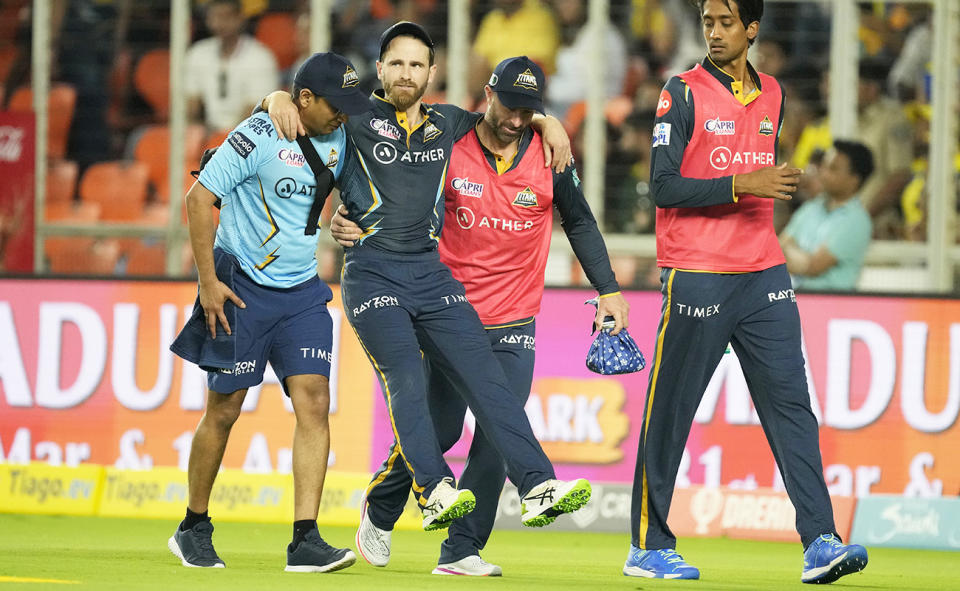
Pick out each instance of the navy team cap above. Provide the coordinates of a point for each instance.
(335, 79)
(518, 82)
(405, 28)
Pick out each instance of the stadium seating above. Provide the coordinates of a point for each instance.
(63, 98)
(81, 255)
(151, 78)
(152, 147)
(71, 212)
(119, 187)
(278, 30)
(61, 181)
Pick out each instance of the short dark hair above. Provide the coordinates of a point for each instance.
(750, 10)
(860, 157)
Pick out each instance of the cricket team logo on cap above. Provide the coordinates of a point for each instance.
(350, 78)
(526, 198)
(332, 158)
(766, 126)
(527, 80)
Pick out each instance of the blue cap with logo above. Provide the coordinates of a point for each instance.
(334, 78)
(409, 29)
(518, 82)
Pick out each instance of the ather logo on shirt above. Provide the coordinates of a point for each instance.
(722, 157)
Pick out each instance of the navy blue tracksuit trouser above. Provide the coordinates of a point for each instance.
(402, 304)
(757, 314)
(514, 347)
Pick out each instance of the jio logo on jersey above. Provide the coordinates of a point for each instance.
(465, 217)
(721, 157)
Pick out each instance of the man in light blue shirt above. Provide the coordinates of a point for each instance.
(826, 239)
(260, 299)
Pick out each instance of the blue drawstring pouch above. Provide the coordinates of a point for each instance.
(613, 354)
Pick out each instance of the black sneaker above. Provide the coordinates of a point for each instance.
(194, 547)
(313, 555)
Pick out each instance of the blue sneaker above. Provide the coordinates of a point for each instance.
(827, 559)
(658, 564)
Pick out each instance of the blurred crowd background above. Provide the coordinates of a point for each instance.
(110, 101)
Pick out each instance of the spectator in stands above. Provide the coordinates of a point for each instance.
(514, 27)
(827, 238)
(884, 128)
(629, 206)
(229, 72)
(569, 84)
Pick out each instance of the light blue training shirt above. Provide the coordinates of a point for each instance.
(267, 189)
(845, 232)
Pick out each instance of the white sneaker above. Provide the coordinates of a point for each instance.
(373, 543)
(549, 499)
(472, 565)
(445, 504)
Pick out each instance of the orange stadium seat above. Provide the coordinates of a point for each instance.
(62, 99)
(151, 78)
(71, 212)
(153, 149)
(81, 255)
(119, 187)
(145, 260)
(278, 31)
(61, 181)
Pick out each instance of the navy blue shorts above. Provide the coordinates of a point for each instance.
(291, 328)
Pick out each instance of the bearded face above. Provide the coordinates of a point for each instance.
(405, 71)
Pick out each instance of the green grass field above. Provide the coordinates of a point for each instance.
(39, 552)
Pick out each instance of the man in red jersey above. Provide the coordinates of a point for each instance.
(499, 201)
(714, 178)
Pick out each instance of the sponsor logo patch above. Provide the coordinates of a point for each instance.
(722, 157)
(385, 128)
(288, 187)
(467, 188)
(526, 198)
(766, 126)
(719, 127)
(384, 152)
(664, 103)
(241, 144)
(291, 158)
(465, 217)
(661, 134)
(260, 127)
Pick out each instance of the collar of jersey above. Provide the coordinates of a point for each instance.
(521, 149)
(386, 106)
(728, 81)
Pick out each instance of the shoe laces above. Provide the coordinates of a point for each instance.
(203, 538)
(831, 540)
(670, 556)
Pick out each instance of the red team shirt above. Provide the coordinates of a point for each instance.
(497, 230)
(728, 138)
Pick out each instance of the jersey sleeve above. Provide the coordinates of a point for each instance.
(672, 132)
(239, 157)
(581, 229)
